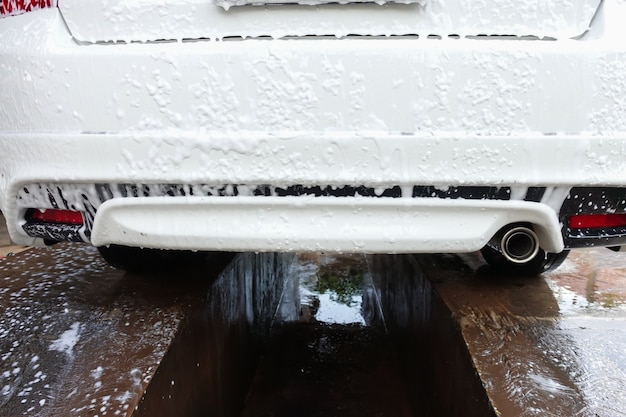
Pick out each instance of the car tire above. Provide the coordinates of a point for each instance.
(139, 260)
(540, 263)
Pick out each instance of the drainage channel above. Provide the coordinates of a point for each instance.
(332, 335)
(328, 353)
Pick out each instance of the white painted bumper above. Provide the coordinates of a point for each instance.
(316, 224)
(379, 160)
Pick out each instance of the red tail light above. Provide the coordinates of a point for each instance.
(14, 7)
(57, 216)
(595, 221)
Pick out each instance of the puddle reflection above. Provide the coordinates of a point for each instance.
(590, 282)
(329, 289)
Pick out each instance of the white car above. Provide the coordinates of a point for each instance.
(251, 125)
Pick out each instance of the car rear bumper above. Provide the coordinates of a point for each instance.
(380, 174)
(379, 113)
(316, 224)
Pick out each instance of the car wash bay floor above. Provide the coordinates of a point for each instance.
(311, 335)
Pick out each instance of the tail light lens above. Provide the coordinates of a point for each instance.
(57, 216)
(15, 7)
(596, 221)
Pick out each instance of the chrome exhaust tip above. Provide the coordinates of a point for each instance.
(519, 244)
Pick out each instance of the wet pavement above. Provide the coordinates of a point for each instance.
(4, 233)
(78, 338)
(6, 245)
(331, 335)
(543, 346)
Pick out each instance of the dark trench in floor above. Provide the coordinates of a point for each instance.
(321, 335)
(354, 336)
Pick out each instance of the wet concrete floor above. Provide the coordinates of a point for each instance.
(332, 335)
(6, 245)
(553, 345)
(78, 338)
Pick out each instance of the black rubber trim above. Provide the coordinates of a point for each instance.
(54, 232)
(468, 193)
(535, 194)
(232, 190)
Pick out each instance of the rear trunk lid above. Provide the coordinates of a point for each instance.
(149, 20)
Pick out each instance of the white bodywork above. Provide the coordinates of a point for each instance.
(184, 91)
(315, 224)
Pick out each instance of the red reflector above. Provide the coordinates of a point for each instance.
(592, 221)
(58, 216)
(15, 7)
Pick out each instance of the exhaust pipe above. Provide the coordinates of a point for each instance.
(519, 244)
